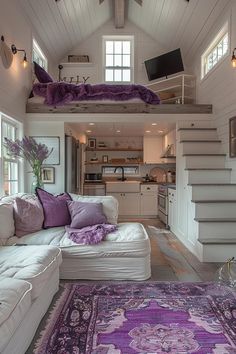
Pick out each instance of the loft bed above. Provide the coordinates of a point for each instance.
(62, 97)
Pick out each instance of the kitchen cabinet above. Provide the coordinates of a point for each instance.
(94, 189)
(148, 200)
(172, 215)
(129, 203)
(152, 149)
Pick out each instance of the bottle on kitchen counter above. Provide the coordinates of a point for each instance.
(169, 177)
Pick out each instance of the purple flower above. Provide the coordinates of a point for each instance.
(27, 148)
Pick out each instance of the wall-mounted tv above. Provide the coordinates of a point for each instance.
(164, 65)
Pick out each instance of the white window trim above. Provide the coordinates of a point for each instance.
(40, 52)
(224, 30)
(5, 118)
(117, 38)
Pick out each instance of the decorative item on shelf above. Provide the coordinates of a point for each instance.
(33, 152)
(233, 59)
(78, 58)
(92, 143)
(101, 144)
(5, 54)
(226, 275)
(16, 50)
(48, 175)
(105, 158)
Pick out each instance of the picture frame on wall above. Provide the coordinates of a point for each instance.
(92, 143)
(52, 142)
(48, 175)
(105, 158)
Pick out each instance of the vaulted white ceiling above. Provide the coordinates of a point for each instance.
(173, 23)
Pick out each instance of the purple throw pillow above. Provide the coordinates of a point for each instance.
(55, 208)
(86, 214)
(41, 74)
(28, 216)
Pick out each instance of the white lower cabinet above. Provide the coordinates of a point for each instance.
(129, 203)
(172, 214)
(148, 200)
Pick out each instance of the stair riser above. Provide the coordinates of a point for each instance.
(217, 253)
(214, 193)
(209, 176)
(216, 230)
(215, 210)
(204, 161)
(202, 148)
(198, 135)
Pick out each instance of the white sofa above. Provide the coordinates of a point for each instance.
(29, 267)
(124, 254)
(29, 278)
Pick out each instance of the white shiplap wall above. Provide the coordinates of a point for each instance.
(144, 48)
(219, 87)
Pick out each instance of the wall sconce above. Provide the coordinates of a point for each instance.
(15, 50)
(233, 59)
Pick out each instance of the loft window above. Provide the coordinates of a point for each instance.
(217, 50)
(38, 56)
(118, 59)
(9, 179)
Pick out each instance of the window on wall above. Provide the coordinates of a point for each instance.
(217, 50)
(118, 59)
(9, 166)
(38, 56)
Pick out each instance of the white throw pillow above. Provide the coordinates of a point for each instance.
(110, 205)
(7, 225)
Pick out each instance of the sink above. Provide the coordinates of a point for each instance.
(122, 186)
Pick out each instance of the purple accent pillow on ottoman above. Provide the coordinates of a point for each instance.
(28, 216)
(55, 208)
(86, 214)
(42, 75)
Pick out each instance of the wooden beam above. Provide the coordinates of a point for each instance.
(119, 13)
(72, 107)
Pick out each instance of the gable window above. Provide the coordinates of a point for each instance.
(38, 56)
(118, 59)
(217, 50)
(9, 166)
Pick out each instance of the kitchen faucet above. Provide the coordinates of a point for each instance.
(123, 173)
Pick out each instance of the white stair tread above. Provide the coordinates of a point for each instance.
(196, 129)
(208, 169)
(197, 154)
(218, 241)
(211, 184)
(214, 201)
(199, 141)
(215, 219)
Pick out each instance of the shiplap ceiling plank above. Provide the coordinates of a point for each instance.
(64, 24)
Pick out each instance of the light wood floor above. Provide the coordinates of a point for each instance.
(171, 260)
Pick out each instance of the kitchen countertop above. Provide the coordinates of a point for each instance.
(141, 182)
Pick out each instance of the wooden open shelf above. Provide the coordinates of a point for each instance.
(113, 163)
(112, 149)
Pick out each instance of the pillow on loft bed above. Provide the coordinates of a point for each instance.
(41, 74)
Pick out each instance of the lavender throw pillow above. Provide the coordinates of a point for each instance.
(86, 214)
(41, 74)
(55, 208)
(28, 216)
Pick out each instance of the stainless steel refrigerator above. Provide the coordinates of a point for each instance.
(74, 165)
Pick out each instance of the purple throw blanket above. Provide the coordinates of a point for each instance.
(90, 235)
(60, 93)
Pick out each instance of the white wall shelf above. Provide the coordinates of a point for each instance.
(178, 89)
(76, 64)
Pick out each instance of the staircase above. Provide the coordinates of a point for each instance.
(210, 190)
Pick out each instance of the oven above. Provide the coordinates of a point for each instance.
(163, 203)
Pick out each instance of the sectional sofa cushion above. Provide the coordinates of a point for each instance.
(110, 205)
(56, 212)
(30, 263)
(85, 214)
(28, 215)
(15, 298)
(7, 226)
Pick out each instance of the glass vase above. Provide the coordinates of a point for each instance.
(226, 275)
(36, 183)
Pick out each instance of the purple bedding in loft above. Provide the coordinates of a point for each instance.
(60, 93)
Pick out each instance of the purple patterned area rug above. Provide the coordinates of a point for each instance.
(147, 317)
